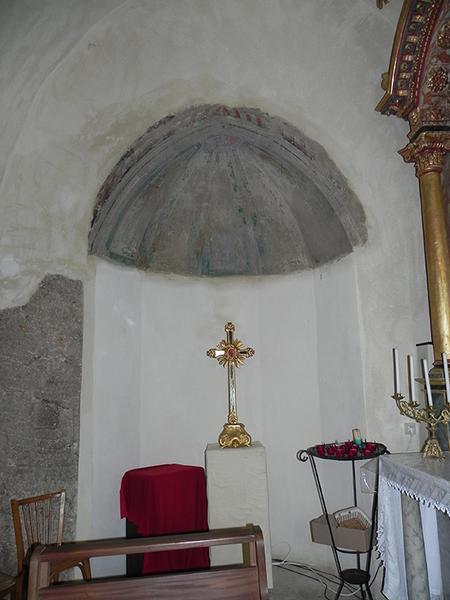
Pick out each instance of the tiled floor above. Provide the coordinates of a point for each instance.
(293, 586)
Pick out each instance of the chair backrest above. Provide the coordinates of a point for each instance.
(37, 520)
(246, 581)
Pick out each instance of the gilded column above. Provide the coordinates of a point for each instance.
(428, 152)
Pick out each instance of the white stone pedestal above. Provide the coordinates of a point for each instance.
(236, 481)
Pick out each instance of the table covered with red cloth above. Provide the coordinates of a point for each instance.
(166, 499)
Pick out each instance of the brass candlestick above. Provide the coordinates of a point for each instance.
(426, 415)
(431, 415)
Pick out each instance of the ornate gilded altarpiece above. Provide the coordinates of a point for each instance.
(417, 89)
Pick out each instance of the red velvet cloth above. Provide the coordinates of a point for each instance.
(167, 499)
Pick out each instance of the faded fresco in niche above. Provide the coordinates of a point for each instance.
(40, 384)
(225, 191)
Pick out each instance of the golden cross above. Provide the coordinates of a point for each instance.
(231, 353)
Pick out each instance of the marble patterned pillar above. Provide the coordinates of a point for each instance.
(415, 560)
(443, 525)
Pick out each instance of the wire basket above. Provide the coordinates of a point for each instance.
(353, 518)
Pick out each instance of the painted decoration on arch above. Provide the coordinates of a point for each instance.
(215, 191)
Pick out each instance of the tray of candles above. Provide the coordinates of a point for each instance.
(348, 450)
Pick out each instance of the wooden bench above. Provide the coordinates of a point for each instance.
(245, 581)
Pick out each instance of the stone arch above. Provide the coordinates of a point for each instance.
(215, 191)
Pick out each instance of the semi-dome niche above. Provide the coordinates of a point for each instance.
(225, 191)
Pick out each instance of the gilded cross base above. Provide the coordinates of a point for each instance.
(234, 435)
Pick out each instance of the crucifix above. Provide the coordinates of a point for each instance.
(231, 353)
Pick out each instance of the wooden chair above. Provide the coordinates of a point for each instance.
(7, 586)
(39, 520)
(244, 581)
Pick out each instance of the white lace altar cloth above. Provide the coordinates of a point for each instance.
(426, 480)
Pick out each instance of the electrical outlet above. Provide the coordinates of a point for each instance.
(410, 428)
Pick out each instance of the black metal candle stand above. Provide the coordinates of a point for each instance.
(356, 576)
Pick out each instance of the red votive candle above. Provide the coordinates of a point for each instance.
(340, 451)
(331, 450)
(320, 449)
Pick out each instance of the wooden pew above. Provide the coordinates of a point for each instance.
(245, 581)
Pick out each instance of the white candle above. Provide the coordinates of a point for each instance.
(446, 378)
(427, 382)
(412, 392)
(396, 371)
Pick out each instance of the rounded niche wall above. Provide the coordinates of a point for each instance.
(214, 191)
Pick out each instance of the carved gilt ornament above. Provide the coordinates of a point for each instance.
(427, 152)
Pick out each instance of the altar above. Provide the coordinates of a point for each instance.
(164, 499)
(414, 526)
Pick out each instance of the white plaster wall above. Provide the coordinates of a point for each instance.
(184, 393)
(157, 397)
(110, 442)
(316, 63)
(112, 403)
(31, 46)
